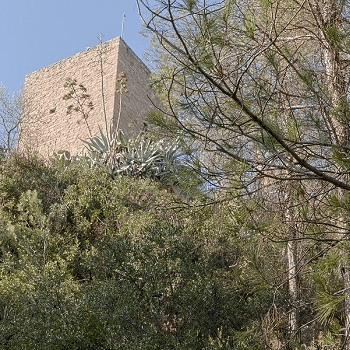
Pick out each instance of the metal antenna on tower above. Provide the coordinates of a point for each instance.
(124, 15)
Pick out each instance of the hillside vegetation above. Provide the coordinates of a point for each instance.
(92, 262)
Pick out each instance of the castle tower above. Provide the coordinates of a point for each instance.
(46, 127)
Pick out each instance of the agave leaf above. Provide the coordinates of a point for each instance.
(98, 144)
(103, 137)
(87, 143)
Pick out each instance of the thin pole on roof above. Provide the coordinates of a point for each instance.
(124, 15)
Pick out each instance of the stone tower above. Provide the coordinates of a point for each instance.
(46, 127)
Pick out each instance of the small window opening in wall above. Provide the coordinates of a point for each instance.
(53, 110)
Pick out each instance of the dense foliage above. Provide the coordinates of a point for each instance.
(122, 250)
(258, 90)
(88, 261)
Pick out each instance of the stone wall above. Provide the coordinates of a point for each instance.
(136, 103)
(47, 127)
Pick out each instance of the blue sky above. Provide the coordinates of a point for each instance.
(36, 33)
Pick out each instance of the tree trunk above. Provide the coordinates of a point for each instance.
(292, 256)
(293, 322)
(328, 15)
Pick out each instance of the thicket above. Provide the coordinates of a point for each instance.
(89, 261)
(256, 97)
(258, 91)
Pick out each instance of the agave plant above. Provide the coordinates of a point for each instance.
(63, 158)
(139, 157)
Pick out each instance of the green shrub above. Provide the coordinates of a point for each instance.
(92, 262)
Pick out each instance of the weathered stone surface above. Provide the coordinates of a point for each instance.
(47, 127)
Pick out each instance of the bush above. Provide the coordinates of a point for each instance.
(92, 262)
